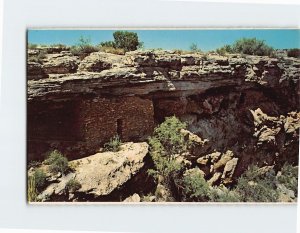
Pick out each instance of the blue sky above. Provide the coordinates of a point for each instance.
(173, 39)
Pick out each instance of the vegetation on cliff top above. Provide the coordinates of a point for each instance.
(250, 46)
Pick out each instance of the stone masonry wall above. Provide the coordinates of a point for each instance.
(129, 117)
(78, 127)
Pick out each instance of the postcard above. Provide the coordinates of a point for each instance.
(162, 115)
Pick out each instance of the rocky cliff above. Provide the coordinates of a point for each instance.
(246, 108)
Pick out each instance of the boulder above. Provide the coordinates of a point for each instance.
(60, 64)
(134, 198)
(227, 156)
(102, 173)
(229, 171)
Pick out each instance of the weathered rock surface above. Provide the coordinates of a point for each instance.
(60, 64)
(134, 198)
(99, 174)
(102, 173)
(99, 61)
(35, 71)
(239, 110)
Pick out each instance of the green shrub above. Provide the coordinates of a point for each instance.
(83, 47)
(113, 144)
(224, 195)
(166, 143)
(109, 44)
(168, 133)
(289, 177)
(40, 178)
(294, 53)
(73, 185)
(194, 48)
(253, 186)
(128, 41)
(112, 50)
(195, 188)
(250, 46)
(225, 49)
(57, 162)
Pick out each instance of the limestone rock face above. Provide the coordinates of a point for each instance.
(239, 110)
(99, 61)
(35, 71)
(102, 173)
(268, 128)
(60, 64)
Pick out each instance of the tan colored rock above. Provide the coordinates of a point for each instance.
(102, 173)
(193, 138)
(162, 194)
(229, 171)
(292, 122)
(223, 160)
(35, 71)
(260, 117)
(58, 188)
(203, 160)
(134, 198)
(98, 61)
(194, 171)
(268, 135)
(215, 178)
(60, 64)
(215, 156)
(267, 127)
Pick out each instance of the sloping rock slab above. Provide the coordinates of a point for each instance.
(102, 173)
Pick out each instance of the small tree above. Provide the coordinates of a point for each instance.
(128, 41)
(195, 188)
(194, 48)
(84, 46)
(57, 162)
(166, 143)
(252, 46)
